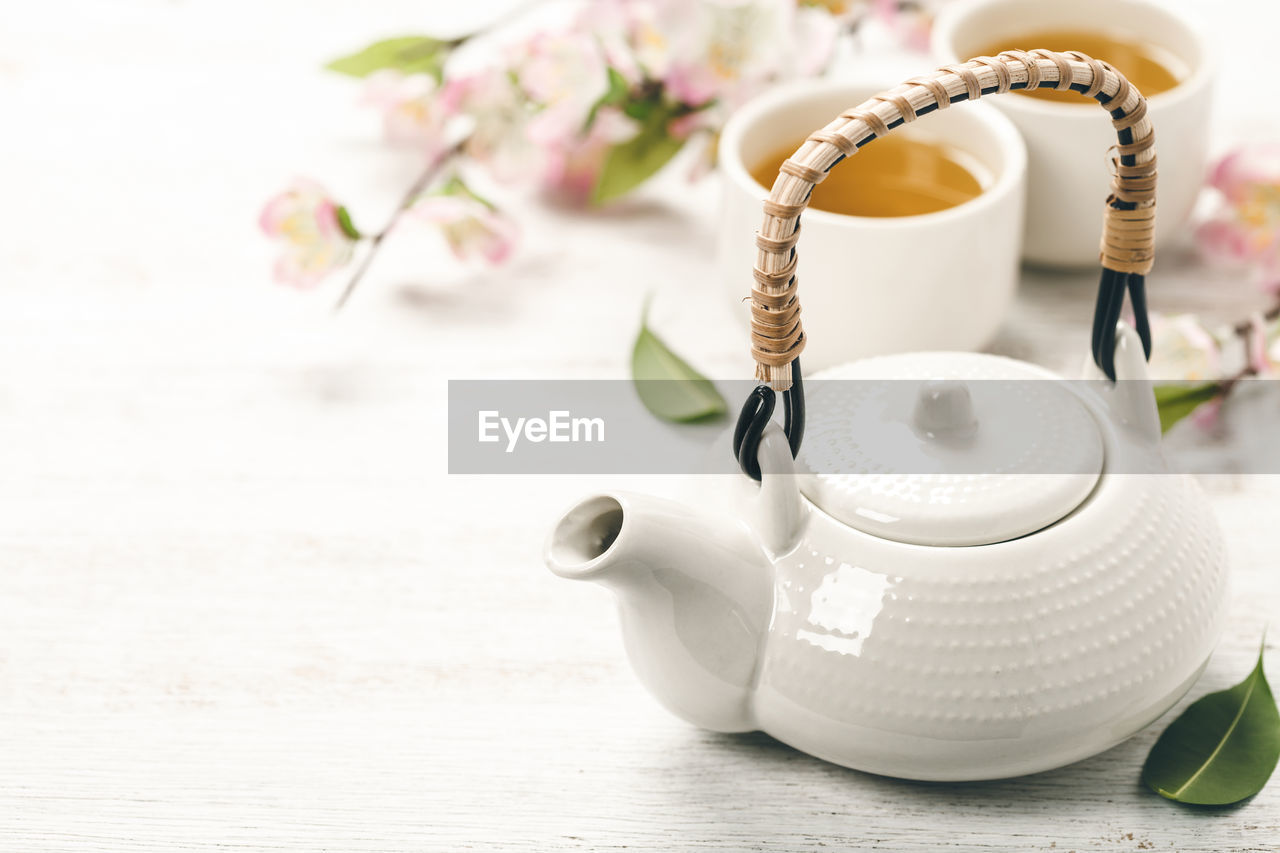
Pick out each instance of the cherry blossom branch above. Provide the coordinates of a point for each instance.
(1245, 328)
(587, 110)
(1245, 331)
(434, 167)
(1206, 399)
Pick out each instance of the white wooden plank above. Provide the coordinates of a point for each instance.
(242, 605)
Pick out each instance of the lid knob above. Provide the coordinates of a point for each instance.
(948, 448)
(944, 410)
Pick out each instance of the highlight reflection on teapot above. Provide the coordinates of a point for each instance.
(949, 625)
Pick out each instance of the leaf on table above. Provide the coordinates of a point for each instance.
(1222, 749)
(1176, 402)
(667, 385)
(631, 163)
(407, 54)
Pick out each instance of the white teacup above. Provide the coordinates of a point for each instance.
(876, 285)
(1068, 171)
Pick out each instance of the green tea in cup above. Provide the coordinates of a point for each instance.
(893, 176)
(1150, 68)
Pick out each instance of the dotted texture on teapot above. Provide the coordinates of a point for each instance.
(947, 448)
(1056, 633)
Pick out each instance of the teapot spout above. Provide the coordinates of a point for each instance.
(581, 545)
(694, 594)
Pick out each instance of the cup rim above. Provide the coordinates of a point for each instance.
(999, 128)
(953, 14)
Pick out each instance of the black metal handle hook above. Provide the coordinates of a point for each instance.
(756, 414)
(759, 407)
(1106, 313)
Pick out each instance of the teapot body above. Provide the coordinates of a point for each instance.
(997, 660)
(921, 661)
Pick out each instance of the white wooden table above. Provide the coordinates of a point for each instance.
(243, 606)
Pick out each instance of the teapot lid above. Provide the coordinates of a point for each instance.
(926, 449)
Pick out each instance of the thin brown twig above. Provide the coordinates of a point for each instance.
(1247, 326)
(433, 168)
(429, 174)
(1245, 330)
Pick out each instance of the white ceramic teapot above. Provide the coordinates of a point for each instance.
(942, 618)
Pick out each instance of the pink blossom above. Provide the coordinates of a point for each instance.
(910, 23)
(845, 11)
(572, 164)
(735, 49)
(539, 115)
(694, 83)
(564, 75)
(815, 32)
(1269, 274)
(1240, 173)
(498, 112)
(305, 219)
(609, 22)
(1245, 227)
(689, 124)
(1223, 241)
(1208, 413)
(1261, 360)
(703, 160)
(726, 50)
(1183, 349)
(701, 131)
(472, 228)
(413, 109)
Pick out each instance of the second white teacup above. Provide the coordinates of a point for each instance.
(1068, 172)
(872, 285)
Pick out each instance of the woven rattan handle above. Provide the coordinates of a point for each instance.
(777, 336)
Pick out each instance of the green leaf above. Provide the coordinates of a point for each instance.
(1222, 749)
(631, 163)
(618, 87)
(348, 227)
(454, 185)
(408, 54)
(639, 110)
(615, 95)
(1175, 402)
(667, 385)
